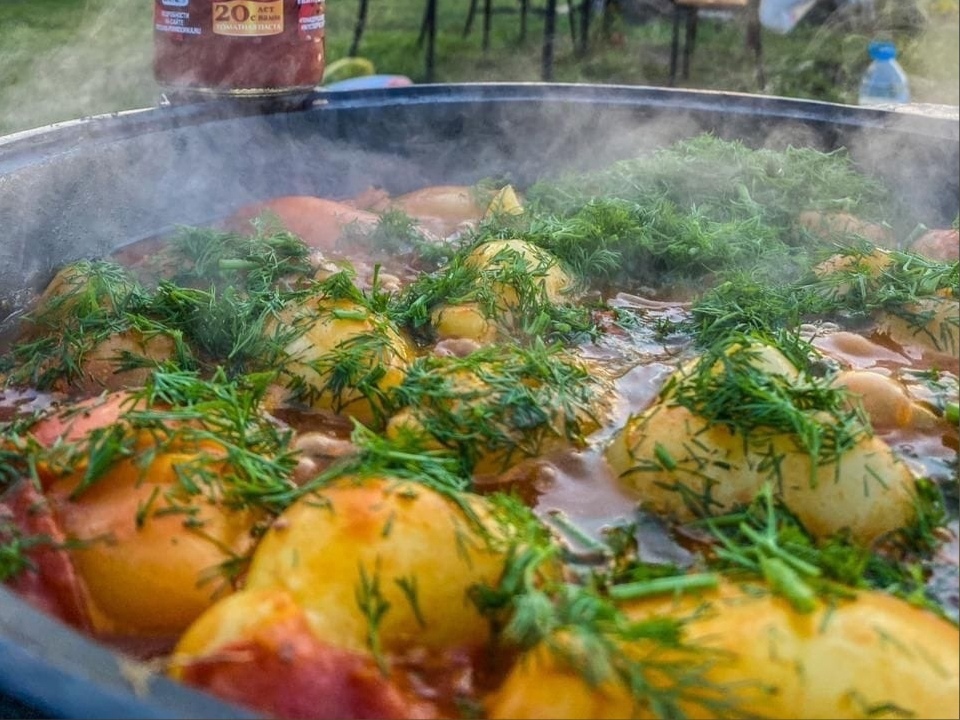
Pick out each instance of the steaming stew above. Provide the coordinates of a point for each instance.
(676, 438)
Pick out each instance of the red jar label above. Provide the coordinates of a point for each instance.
(248, 18)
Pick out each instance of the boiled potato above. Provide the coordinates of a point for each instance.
(149, 553)
(341, 356)
(466, 321)
(500, 405)
(105, 365)
(682, 464)
(837, 225)
(505, 202)
(256, 648)
(78, 291)
(377, 544)
(511, 274)
(874, 656)
(835, 270)
(505, 262)
(932, 324)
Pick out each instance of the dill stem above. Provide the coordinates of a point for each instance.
(659, 586)
(572, 530)
(770, 545)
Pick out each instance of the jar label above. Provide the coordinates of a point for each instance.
(311, 18)
(176, 21)
(248, 18)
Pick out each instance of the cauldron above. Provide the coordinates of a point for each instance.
(87, 187)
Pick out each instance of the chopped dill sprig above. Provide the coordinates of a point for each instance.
(502, 400)
(729, 385)
(765, 540)
(583, 629)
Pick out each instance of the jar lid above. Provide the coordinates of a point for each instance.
(882, 50)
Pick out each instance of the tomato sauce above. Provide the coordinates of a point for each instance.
(238, 47)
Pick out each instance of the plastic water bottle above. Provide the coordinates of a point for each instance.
(884, 82)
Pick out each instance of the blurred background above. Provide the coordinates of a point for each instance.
(62, 59)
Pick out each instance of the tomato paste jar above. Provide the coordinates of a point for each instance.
(238, 48)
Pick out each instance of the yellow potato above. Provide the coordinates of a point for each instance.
(343, 357)
(232, 620)
(498, 262)
(875, 656)
(540, 685)
(102, 366)
(382, 543)
(78, 290)
(150, 571)
(837, 225)
(681, 464)
(871, 266)
(505, 202)
(501, 408)
(466, 321)
(933, 324)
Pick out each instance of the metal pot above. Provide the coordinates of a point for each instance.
(84, 188)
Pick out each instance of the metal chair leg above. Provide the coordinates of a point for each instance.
(689, 41)
(586, 10)
(549, 35)
(755, 42)
(487, 18)
(358, 28)
(471, 14)
(424, 24)
(430, 20)
(675, 44)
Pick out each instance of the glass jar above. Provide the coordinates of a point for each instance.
(238, 48)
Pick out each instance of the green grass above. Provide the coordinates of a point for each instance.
(61, 59)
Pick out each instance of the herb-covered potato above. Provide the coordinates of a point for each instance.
(256, 648)
(873, 656)
(339, 355)
(932, 323)
(835, 226)
(464, 321)
(150, 554)
(504, 263)
(124, 359)
(725, 427)
(511, 282)
(77, 291)
(500, 405)
(382, 563)
(84, 333)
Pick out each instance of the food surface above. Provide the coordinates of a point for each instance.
(675, 438)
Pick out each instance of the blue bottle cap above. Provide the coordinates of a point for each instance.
(882, 50)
